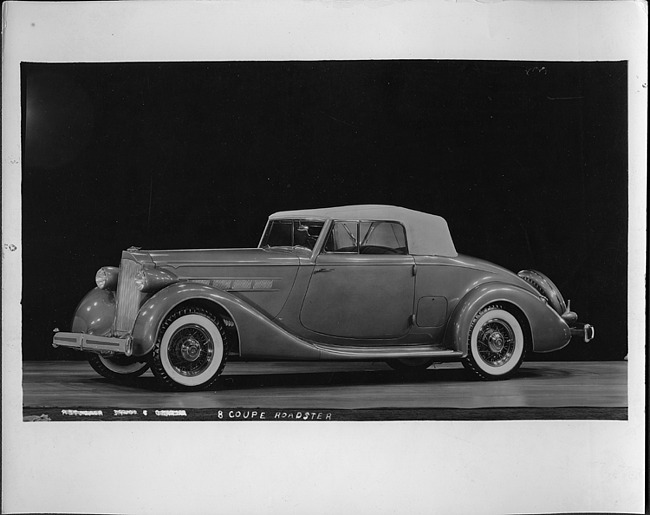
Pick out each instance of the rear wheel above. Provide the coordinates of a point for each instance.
(411, 364)
(191, 350)
(117, 368)
(496, 344)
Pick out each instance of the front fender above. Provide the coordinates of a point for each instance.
(95, 313)
(548, 331)
(259, 337)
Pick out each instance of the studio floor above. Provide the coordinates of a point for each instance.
(66, 390)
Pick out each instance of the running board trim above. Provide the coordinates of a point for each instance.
(383, 353)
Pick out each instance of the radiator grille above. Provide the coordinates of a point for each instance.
(128, 297)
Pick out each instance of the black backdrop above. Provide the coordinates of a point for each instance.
(526, 161)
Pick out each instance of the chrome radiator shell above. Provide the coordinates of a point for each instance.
(127, 297)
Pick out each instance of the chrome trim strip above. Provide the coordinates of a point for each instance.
(240, 284)
(61, 338)
(205, 264)
(97, 342)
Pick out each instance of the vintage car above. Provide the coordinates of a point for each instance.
(366, 282)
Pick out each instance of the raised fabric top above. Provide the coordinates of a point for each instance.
(427, 235)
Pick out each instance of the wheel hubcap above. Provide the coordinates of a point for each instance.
(190, 350)
(496, 342)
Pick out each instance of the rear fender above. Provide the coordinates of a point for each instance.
(547, 330)
(259, 337)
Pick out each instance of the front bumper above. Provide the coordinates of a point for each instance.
(586, 331)
(92, 343)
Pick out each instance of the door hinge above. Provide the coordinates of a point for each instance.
(414, 269)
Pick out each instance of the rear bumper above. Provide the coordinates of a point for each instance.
(92, 343)
(585, 331)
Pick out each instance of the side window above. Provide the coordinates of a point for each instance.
(306, 233)
(367, 238)
(343, 237)
(382, 238)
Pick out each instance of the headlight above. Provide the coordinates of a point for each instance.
(151, 280)
(106, 277)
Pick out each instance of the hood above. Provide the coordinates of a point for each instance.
(218, 257)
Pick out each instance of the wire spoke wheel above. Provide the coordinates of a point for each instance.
(496, 345)
(191, 349)
(496, 342)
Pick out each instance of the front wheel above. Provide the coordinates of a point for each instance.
(117, 368)
(191, 350)
(496, 344)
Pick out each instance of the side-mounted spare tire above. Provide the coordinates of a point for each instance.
(546, 288)
(191, 349)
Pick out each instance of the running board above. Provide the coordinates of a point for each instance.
(386, 352)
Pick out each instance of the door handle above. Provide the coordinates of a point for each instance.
(318, 270)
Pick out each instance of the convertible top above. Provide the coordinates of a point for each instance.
(428, 235)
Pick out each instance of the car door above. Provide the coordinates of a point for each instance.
(362, 285)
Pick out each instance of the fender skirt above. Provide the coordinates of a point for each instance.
(258, 335)
(549, 332)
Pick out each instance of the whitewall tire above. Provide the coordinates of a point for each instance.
(496, 344)
(191, 349)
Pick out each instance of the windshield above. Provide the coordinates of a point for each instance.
(292, 233)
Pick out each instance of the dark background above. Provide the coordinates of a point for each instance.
(526, 161)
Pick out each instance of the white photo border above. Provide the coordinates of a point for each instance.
(360, 467)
